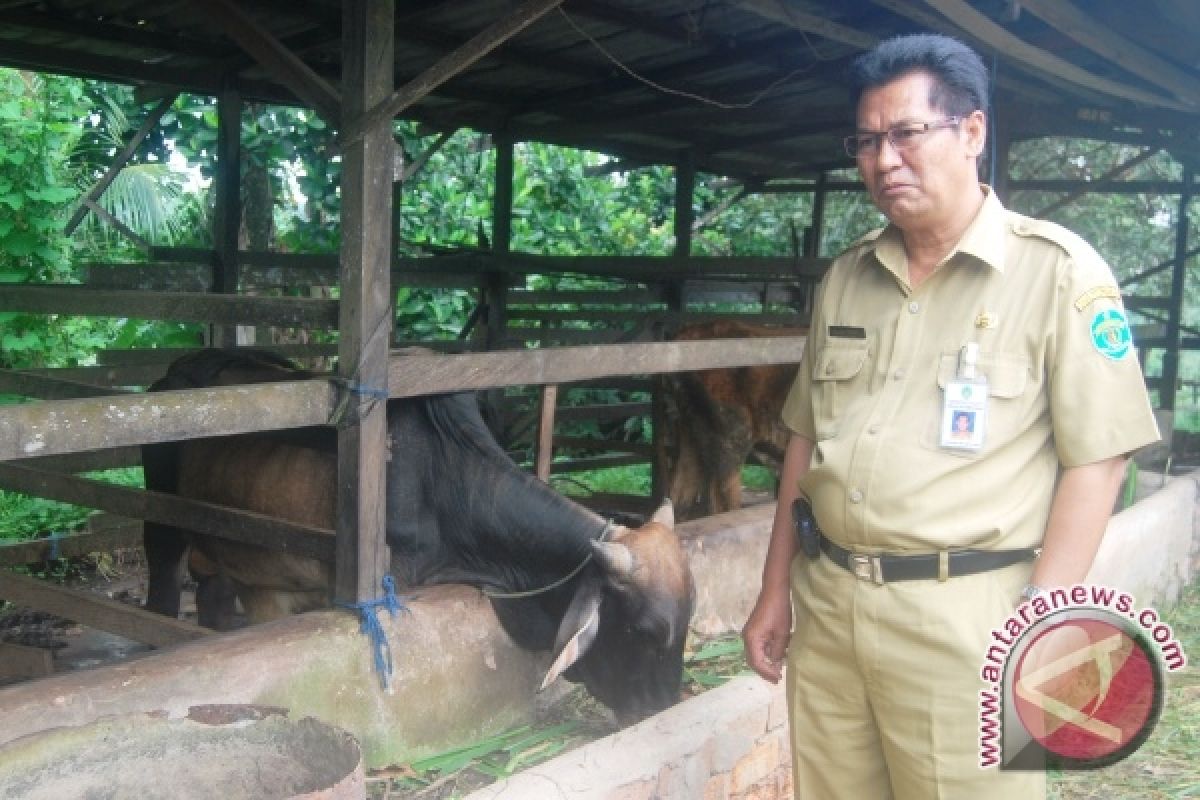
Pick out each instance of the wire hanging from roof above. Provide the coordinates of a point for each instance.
(680, 92)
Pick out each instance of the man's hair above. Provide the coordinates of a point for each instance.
(960, 79)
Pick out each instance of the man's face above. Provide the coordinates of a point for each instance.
(923, 183)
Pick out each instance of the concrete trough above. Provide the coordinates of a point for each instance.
(215, 751)
(459, 679)
(457, 676)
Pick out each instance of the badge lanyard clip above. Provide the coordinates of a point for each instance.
(965, 404)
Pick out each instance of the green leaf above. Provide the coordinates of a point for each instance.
(19, 244)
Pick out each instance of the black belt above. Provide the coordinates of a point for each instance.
(884, 568)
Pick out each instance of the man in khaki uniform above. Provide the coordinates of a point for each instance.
(968, 384)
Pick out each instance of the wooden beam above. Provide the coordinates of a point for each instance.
(179, 306)
(119, 162)
(1103, 40)
(121, 227)
(1085, 186)
(1017, 50)
(113, 458)
(414, 375)
(787, 14)
(452, 64)
(276, 59)
(227, 523)
(95, 611)
(70, 426)
(47, 388)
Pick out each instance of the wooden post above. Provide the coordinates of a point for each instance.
(1170, 367)
(228, 214)
(495, 284)
(676, 296)
(362, 552)
(545, 434)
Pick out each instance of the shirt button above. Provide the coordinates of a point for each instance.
(856, 496)
(873, 429)
(914, 307)
(899, 374)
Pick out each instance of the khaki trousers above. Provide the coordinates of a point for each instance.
(883, 685)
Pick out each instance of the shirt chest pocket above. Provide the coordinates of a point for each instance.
(839, 374)
(1010, 397)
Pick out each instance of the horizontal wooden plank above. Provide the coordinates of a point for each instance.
(105, 375)
(198, 277)
(45, 387)
(652, 268)
(603, 413)
(163, 356)
(95, 611)
(415, 375)
(227, 523)
(111, 458)
(603, 445)
(595, 462)
(594, 297)
(69, 426)
(178, 306)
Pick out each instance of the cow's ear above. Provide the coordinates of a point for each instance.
(577, 631)
(616, 559)
(665, 515)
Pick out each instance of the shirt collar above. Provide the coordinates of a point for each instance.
(983, 240)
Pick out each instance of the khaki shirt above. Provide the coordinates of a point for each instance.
(1065, 387)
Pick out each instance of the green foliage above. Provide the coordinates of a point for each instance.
(39, 127)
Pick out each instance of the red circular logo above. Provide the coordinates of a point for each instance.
(1088, 690)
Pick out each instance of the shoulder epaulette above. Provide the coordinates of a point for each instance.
(1070, 242)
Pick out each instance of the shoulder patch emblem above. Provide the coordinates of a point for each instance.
(1110, 334)
(1096, 293)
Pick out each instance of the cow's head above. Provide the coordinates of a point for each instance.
(624, 632)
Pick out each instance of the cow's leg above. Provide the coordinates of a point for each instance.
(165, 545)
(165, 548)
(216, 595)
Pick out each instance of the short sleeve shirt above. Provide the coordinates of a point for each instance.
(1063, 380)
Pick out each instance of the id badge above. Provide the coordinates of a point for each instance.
(964, 414)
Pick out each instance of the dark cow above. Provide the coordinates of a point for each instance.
(719, 417)
(458, 511)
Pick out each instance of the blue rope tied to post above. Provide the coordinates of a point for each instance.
(370, 625)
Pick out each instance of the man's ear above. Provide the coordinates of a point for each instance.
(975, 127)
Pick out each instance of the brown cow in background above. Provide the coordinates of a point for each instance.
(718, 417)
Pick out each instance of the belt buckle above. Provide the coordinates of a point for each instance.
(866, 567)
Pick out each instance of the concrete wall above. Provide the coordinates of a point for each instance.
(1150, 549)
(730, 743)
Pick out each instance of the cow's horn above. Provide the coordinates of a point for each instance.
(616, 559)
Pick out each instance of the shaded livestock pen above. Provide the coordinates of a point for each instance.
(529, 71)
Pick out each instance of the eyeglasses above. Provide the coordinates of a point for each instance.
(900, 137)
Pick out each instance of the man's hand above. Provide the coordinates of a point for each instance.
(767, 633)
